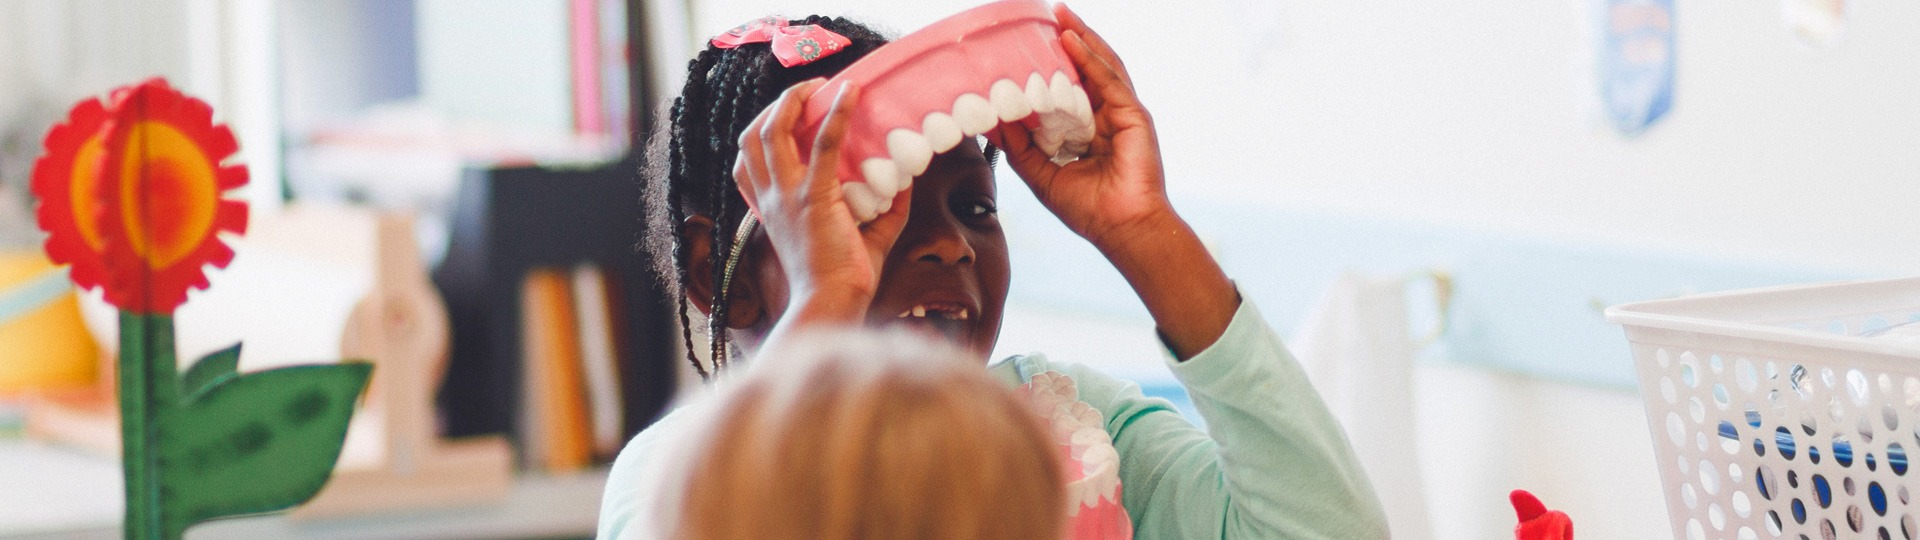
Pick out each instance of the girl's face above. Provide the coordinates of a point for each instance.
(948, 271)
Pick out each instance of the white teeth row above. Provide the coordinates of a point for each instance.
(1065, 133)
(921, 312)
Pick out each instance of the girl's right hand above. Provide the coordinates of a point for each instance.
(831, 262)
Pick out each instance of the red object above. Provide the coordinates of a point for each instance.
(64, 181)
(927, 70)
(132, 195)
(1536, 521)
(793, 45)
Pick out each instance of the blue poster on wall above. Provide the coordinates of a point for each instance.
(1636, 62)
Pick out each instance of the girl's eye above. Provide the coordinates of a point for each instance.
(978, 209)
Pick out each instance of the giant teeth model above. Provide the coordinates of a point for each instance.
(925, 93)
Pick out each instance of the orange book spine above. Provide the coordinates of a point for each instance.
(563, 422)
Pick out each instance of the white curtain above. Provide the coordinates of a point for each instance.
(1358, 352)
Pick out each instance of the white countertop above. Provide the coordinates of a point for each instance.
(52, 492)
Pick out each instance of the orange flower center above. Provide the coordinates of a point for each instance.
(177, 192)
(84, 198)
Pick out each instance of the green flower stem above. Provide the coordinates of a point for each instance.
(149, 386)
(228, 444)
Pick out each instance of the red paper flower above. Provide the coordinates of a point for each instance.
(140, 204)
(64, 180)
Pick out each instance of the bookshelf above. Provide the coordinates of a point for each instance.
(536, 256)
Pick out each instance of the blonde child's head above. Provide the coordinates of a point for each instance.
(852, 434)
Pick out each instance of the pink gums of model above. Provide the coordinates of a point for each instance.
(960, 77)
(1094, 511)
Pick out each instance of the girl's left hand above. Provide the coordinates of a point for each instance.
(1118, 190)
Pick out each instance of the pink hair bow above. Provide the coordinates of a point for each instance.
(793, 44)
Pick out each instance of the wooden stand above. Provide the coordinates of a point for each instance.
(401, 326)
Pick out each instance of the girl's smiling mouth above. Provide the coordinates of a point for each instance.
(951, 321)
(937, 310)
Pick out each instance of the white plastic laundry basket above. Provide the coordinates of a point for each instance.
(1774, 415)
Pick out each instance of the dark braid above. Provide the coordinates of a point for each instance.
(675, 216)
(722, 241)
(692, 156)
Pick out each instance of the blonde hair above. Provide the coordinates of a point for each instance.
(871, 435)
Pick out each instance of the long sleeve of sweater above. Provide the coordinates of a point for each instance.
(1272, 463)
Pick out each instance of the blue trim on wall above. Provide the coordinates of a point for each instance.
(1524, 305)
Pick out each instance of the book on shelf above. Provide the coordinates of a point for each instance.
(572, 382)
(599, 358)
(559, 433)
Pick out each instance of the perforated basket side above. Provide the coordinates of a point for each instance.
(1779, 439)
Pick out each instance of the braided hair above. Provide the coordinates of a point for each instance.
(691, 156)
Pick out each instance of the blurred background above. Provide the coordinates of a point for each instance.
(1466, 181)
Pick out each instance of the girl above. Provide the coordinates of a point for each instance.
(866, 435)
(1273, 463)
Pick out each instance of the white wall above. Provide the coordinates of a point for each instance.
(499, 62)
(58, 50)
(1481, 114)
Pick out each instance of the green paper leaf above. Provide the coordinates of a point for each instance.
(256, 442)
(212, 369)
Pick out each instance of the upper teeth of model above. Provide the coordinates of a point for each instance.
(920, 311)
(1063, 130)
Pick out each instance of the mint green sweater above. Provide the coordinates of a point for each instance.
(1272, 463)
